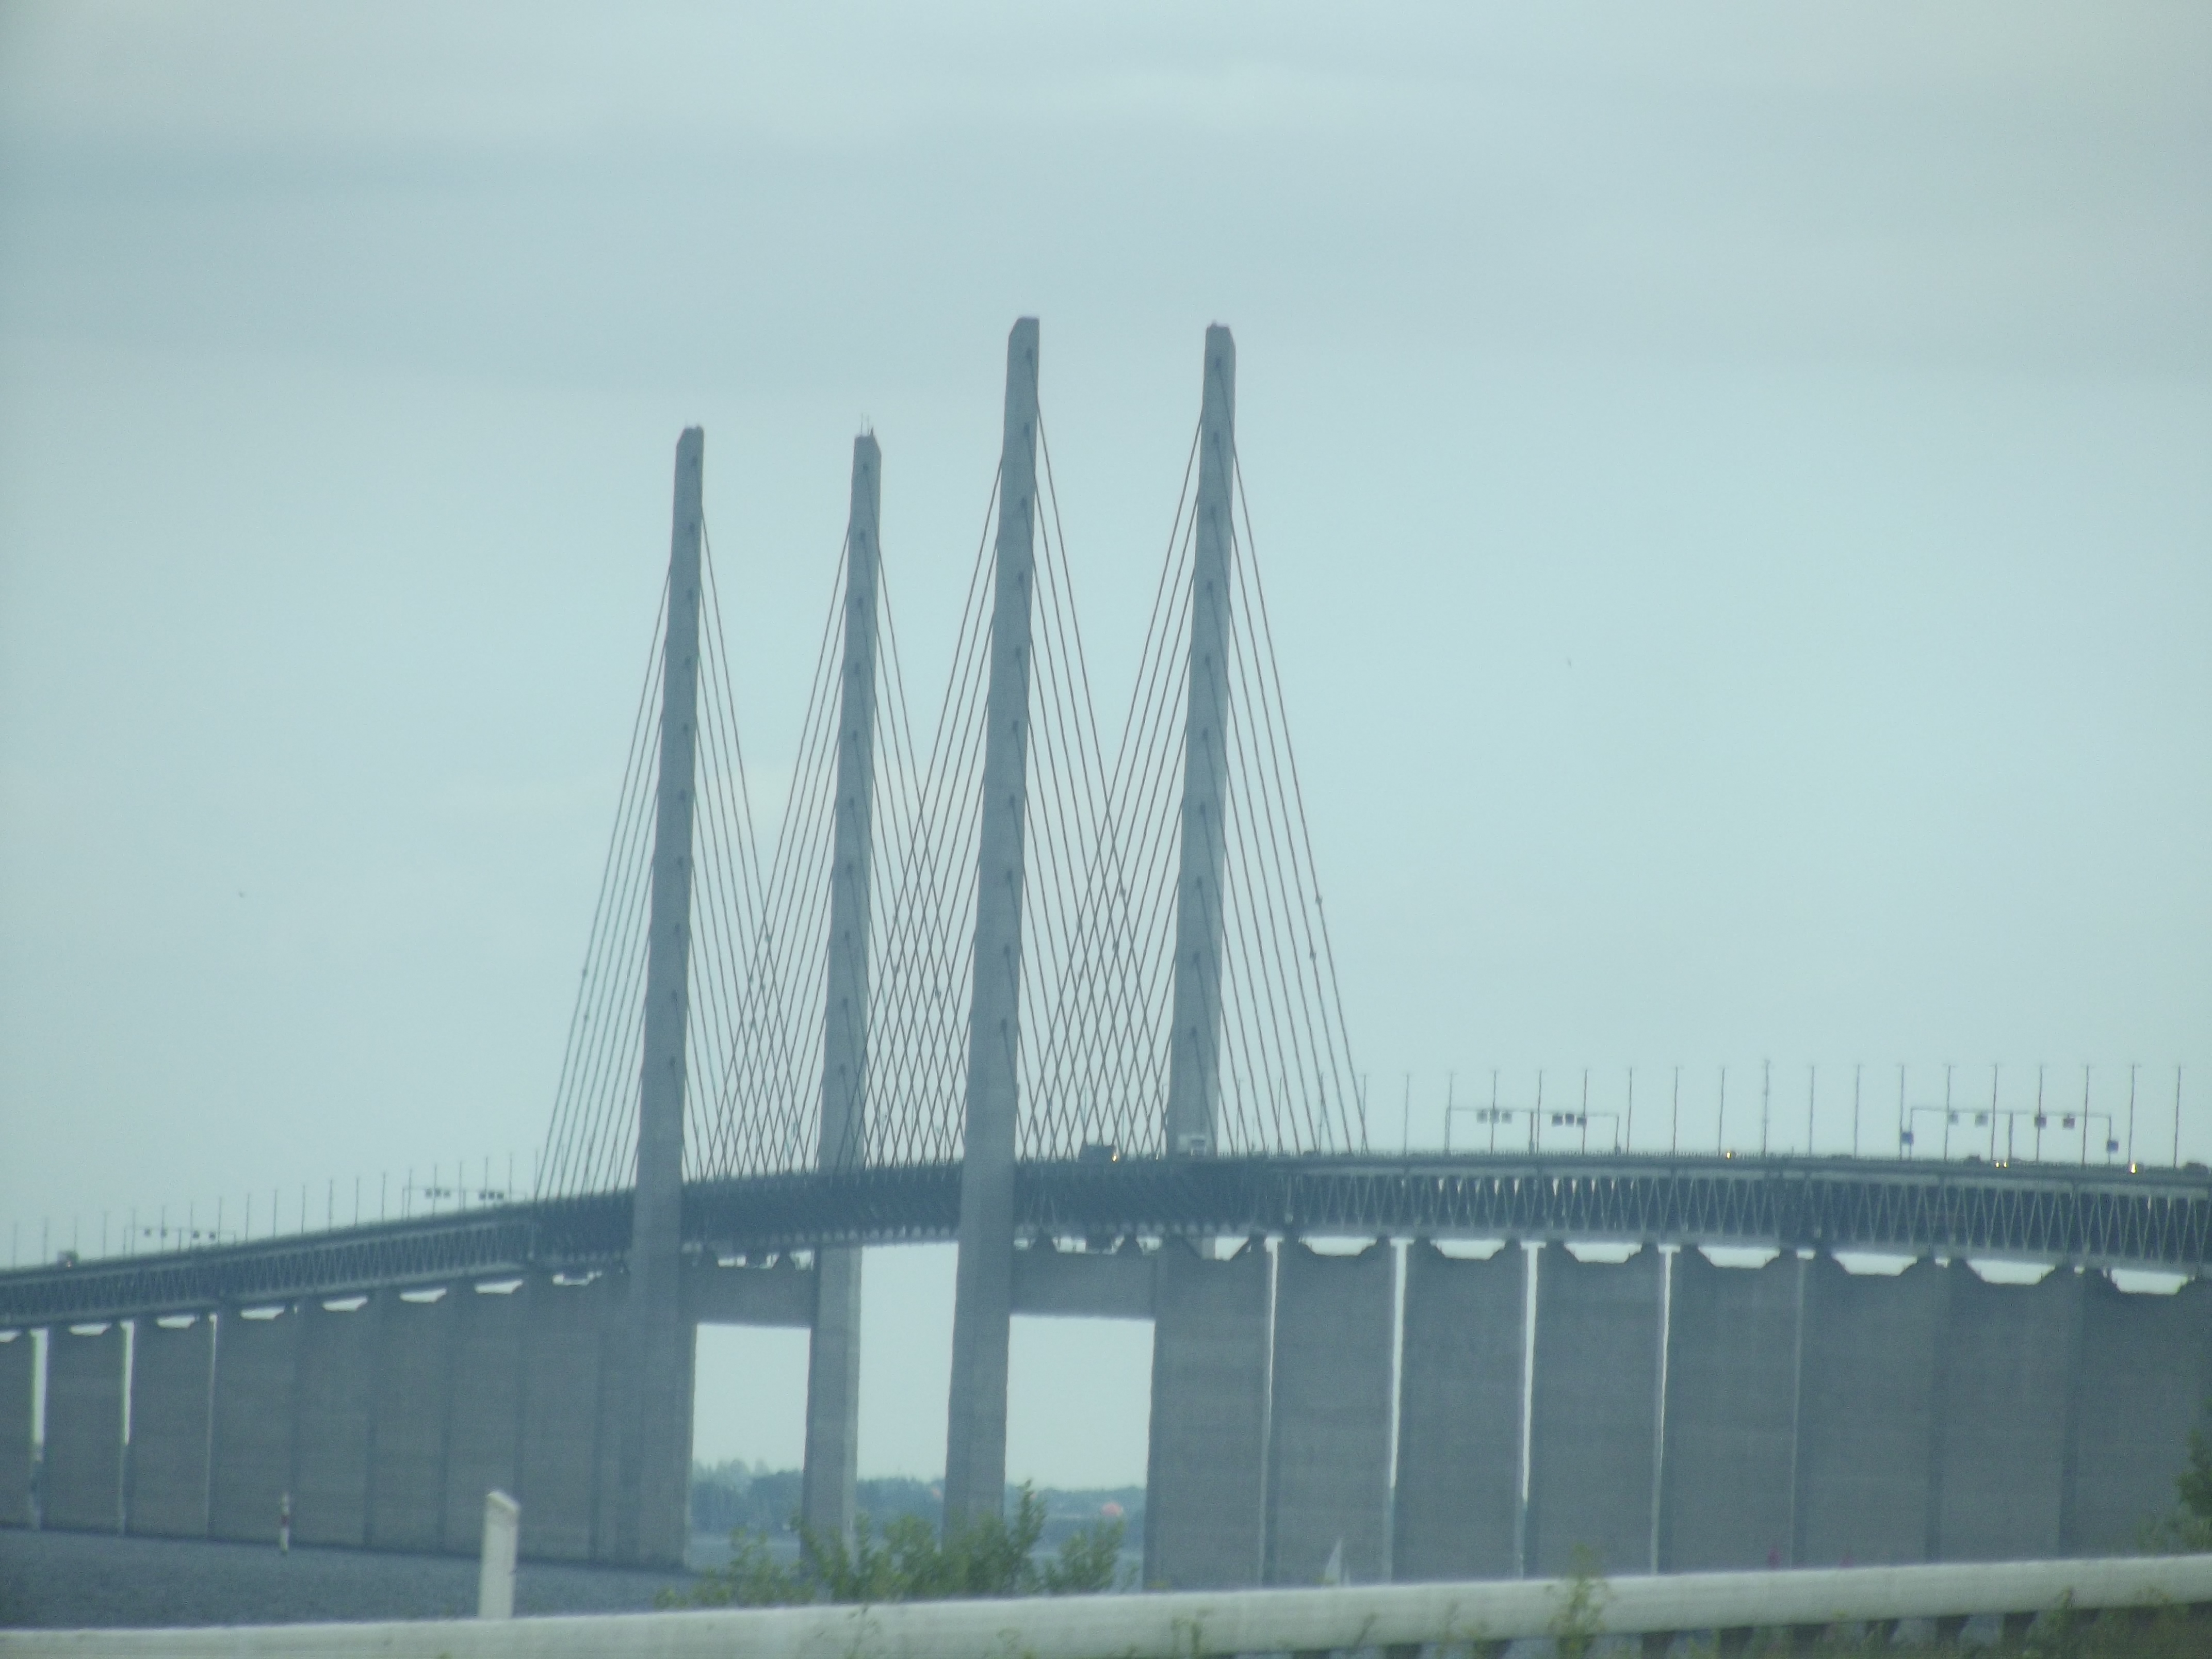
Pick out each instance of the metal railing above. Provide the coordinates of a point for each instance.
(2126, 1116)
(1198, 1624)
(1949, 1115)
(411, 1194)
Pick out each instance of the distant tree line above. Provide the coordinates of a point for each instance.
(727, 1497)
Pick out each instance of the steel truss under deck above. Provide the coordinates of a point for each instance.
(2157, 1220)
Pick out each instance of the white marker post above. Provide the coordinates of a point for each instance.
(495, 1580)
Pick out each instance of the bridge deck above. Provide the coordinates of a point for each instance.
(2097, 1217)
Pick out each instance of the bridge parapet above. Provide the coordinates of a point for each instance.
(348, 1261)
(2155, 1220)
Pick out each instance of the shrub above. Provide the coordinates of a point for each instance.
(908, 1560)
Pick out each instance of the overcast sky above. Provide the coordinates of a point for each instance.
(1735, 485)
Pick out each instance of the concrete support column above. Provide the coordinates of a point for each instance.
(84, 1482)
(18, 1364)
(484, 1431)
(1459, 1415)
(2146, 1368)
(414, 1395)
(833, 1358)
(256, 1380)
(2013, 1357)
(1726, 1476)
(1206, 1479)
(1194, 1059)
(1594, 1426)
(1328, 1430)
(829, 1478)
(653, 1395)
(560, 1424)
(1867, 1439)
(338, 1422)
(172, 1383)
(976, 1437)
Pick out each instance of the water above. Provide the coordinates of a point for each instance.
(70, 1580)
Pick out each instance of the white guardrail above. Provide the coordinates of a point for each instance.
(1191, 1625)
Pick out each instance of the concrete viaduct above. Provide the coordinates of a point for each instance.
(1442, 1389)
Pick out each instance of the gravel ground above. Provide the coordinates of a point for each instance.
(71, 1580)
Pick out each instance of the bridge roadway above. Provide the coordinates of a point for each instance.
(2094, 1216)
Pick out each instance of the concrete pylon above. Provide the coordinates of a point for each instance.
(652, 1373)
(976, 1437)
(1194, 1059)
(833, 1363)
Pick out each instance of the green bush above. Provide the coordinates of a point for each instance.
(1581, 1615)
(908, 1561)
(2188, 1528)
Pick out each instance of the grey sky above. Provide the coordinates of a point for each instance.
(1735, 485)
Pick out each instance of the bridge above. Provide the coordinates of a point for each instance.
(1077, 1012)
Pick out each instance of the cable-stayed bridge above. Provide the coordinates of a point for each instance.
(1064, 992)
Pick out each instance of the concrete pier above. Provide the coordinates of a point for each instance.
(613, 1512)
(2146, 1368)
(830, 1475)
(833, 1361)
(1726, 1473)
(649, 1374)
(2012, 1363)
(607, 1496)
(19, 1359)
(336, 1432)
(83, 1485)
(483, 1432)
(560, 1431)
(256, 1391)
(982, 1308)
(1867, 1443)
(172, 1383)
(413, 1385)
(1459, 1415)
(1594, 1426)
(1205, 1484)
(1864, 1418)
(1329, 1434)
